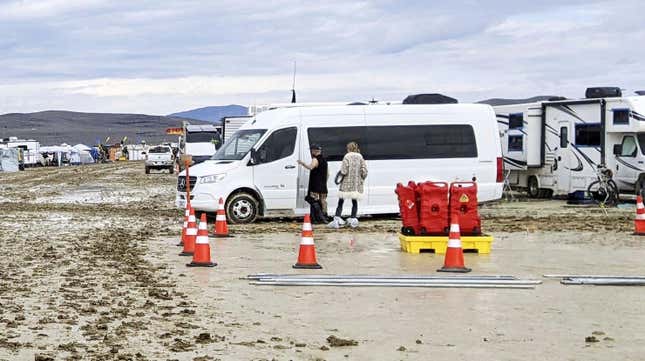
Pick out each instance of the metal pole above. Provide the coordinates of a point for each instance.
(364, 284)
(591, 276)
(409, 281)
(603, 281)
(323, 276)
(187, 167)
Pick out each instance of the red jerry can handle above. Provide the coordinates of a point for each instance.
(439, 184)
(462, 184)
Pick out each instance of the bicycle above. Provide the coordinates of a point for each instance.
(604, 190)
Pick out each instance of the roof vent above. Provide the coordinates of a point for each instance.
(640, 92)
(429, 99)
(603, 92)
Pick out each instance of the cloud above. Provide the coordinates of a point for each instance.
(165, 56)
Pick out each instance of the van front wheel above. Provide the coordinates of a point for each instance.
(242, 208)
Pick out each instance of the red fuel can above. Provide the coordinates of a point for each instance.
(463, 204)
(408, 207)
(433, 208)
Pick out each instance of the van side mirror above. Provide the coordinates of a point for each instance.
(253, 159)
(618, 149)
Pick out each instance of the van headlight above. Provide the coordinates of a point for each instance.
(212, 178)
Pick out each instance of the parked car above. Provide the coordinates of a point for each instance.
(159, 158)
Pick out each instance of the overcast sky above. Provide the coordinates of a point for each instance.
(162, 56)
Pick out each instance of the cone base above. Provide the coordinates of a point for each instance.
(180, 244)
(454, 269)
(222, 235)
(307, 266)
(638, 234)
(186, 254)
(201, 264)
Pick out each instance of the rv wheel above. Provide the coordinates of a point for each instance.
(242, 208)
(533, 188)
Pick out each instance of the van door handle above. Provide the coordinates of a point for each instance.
(640, 162)
(289, 166)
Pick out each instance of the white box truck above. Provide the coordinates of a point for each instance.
(256, 170)
(555, 147)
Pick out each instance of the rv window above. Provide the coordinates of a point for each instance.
(641, 142)
(588, 135)
(516, 121)
(334, 140)
(621, 116)
(421, 142)
(629, 147)
(280, 144)
(564, 137)
(515, 143)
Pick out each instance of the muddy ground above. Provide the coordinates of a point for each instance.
(90, 270)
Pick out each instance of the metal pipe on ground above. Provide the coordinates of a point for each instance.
(604, 281)
(324, 276)
(403, 281)
(367, 284)
(592, 276)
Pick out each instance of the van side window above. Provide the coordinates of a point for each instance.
(515, 143)
(629, 147)
(516, 121)
(564, 137)
(621, 116)
(588, 135)
(421, 142)
(334, 140)
(280, 144)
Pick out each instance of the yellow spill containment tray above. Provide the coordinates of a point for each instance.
(438, 244)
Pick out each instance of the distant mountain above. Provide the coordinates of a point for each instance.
(212, 114)
(55, 127)
(502, 101)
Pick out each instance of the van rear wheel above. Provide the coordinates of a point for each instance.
(242, 208)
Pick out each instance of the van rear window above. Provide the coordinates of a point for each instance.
(398, 142)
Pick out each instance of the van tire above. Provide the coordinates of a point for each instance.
(242, 208)
(171, 169)
(532, 188)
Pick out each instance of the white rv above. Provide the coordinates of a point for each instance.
(231, 124)
(555, 147)
(200, 141)
(30, 150)
(256, 170)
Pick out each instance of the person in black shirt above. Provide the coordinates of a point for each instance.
(317, 191)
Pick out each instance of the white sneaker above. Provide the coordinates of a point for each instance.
(336, 223)
(353, 222)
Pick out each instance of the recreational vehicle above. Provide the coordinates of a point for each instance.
(557, 146)
(256, 170)
(201, 141)
(30, 150)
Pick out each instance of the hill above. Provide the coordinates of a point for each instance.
(212, 114)
(55, 127)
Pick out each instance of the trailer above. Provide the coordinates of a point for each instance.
(556, 147)
(30, 150)
(230, 125)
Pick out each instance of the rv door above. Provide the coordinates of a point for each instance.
(565, 162)
(627, 169)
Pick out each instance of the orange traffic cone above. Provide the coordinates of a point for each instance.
(639, 221)
(185, 226)
(202, 255)
(454, 261)
(221, 228)
(307, 253)
(191, 234)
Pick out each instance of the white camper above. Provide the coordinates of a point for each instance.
(230, 125)
(556, 147)
(256, 170)
(200, 141)
(30, 150)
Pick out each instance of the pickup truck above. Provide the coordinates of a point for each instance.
(159, 158)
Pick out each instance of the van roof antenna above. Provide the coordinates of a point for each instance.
(293, 86)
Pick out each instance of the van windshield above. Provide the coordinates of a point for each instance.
(239, 144)
(641, 142)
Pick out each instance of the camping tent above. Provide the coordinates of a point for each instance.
(9, 159)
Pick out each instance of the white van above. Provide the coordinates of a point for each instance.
(256, 171)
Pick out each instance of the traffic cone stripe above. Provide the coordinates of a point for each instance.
(454, 228)
(220, 217)
(640, 217)
(201, 240)
(307, 227)
(454, 243)
(308, 241)
(191, 218)
(191, 231)
(202, 254)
